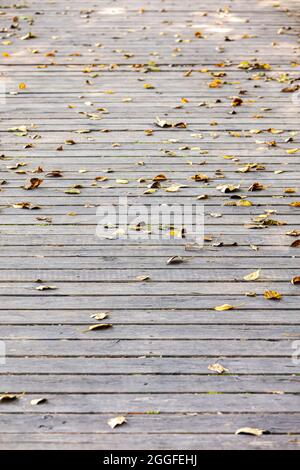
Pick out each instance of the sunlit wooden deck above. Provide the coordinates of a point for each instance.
(84, 83)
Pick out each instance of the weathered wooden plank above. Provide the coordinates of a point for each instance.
(149, 348)
(126, 331)
(165, 332)
(149, 383)
(192, 261)
(150, 365)
(139, 288)
(157, 316)
(97, 423)
(148, 441)
(164, 403)
(146, 302)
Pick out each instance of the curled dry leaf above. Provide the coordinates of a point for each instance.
(54, 174)
(100, 315)
(222, 308)
(167, 124)
(46, 287)
(175, 260)
(200, 177)
(252, 276)
(25, 205)
(143, 277)
(296, 244)
(98, 326)
(251, 431)
(101, 178)
(72, 191)
(8, 397)
(228, 188)
(160, 177)
(33, 184)
(117, 421)
(296, 280)
(38, 401)
(256, 187)
(217, 368)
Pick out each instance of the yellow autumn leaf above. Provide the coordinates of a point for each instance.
(215, 83)
(122, 181)
(272, 295)
(244, 203)
(222, 308)
(252, 276)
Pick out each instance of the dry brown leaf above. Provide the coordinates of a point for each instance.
(175, 260)
(295, 280)
(54, 174)
(46, 287)
(160, 177)
(25, 205)
(256, 187)
(33, 184)
(8, 397)
(200, 177)
(228, 188)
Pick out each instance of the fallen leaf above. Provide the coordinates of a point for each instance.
(252, 276)
(251, 431)
(33, 184)
(72, 191)
(228, 188)
(200, 177)
(54, 174)
(46, 287)
(272, 295)
(38, 401)
(293, 233)
(100, 315)
(118, 421)
(98, 326)
(142, 278)
(8, 397)
(296, 280)
(222, 308)
(25, 205)
(160, 177)
(175, 260)
(217, 368)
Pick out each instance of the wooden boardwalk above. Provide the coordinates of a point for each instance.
(81, 86)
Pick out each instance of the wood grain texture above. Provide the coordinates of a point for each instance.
(82, 89)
